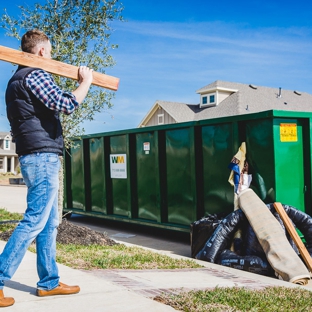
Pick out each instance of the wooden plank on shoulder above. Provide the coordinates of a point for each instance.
(55, 67)
(294, 235)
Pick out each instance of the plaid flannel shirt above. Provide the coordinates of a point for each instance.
(42, 85)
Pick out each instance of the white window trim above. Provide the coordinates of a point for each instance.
(215, 99)
(202, 99)
(4, 144)
(161, 119)
(208, 98)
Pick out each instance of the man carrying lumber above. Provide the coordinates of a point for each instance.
(34, 102)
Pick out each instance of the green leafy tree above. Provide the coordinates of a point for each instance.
(80, 32)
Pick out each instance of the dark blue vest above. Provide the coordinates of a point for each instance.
(35, 127)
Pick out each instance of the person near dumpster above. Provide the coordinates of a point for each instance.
(34, 103)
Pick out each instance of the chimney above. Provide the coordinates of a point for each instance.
(279, 92)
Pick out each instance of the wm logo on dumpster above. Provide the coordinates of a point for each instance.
(118, 166)
(118, 159)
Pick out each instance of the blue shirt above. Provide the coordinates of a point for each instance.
(42, 85)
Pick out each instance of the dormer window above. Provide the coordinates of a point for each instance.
(213, 95)
(209, 99)
(212, 99)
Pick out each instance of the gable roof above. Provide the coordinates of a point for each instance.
(4, 134)
(245, 99)
(180, 112)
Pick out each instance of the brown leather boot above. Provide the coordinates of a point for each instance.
(5, 301)
(61, 289)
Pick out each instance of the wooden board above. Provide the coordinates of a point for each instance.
(55, 67)
(294, 235)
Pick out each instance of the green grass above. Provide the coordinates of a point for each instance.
(105, 257)
(7, 216)
(117, 257)
(272, 299)
(279, 299)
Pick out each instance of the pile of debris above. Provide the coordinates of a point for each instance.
(69, 233)
(255, 238)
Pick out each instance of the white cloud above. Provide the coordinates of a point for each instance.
(220, 33)
(170, 61)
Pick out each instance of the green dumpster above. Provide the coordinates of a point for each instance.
(168, 176)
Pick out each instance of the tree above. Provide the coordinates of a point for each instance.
(80, 32)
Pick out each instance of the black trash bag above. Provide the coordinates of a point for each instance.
(252, 247)
(302, 221)
(222, 236)
(251, 264)
(279, 219)
(238, 245)
(202, 229)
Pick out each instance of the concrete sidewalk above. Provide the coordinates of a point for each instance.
(121, 290)
(97, 294)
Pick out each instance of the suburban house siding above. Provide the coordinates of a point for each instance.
(8, 158)
(222, 95)
(167, 119)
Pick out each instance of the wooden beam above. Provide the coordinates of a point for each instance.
(294, 235)
(55, 67)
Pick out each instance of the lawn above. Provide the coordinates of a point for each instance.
(119, 256)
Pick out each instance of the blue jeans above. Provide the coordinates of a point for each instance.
(40, 222)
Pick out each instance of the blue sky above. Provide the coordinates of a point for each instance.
(169, 49)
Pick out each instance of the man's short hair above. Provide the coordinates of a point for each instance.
(32, 38)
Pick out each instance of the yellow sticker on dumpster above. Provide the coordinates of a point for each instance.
(288, 132)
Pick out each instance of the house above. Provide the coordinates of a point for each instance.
(222, 98)
(8, 158)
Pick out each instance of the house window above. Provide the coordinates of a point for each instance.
(6, 144)
(1, 162)
(161, 119)
(209, 99)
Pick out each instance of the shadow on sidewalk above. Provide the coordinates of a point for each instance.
(21, 287)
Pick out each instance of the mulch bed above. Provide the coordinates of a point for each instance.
(69, 233)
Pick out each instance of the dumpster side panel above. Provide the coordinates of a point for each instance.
(260, 158)
(67, 202)
(147, 176)
(121, 200)
(218, 150)
(180, 176)
(289, 162)
(308, 164)
(97, 175)
(77, 176)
